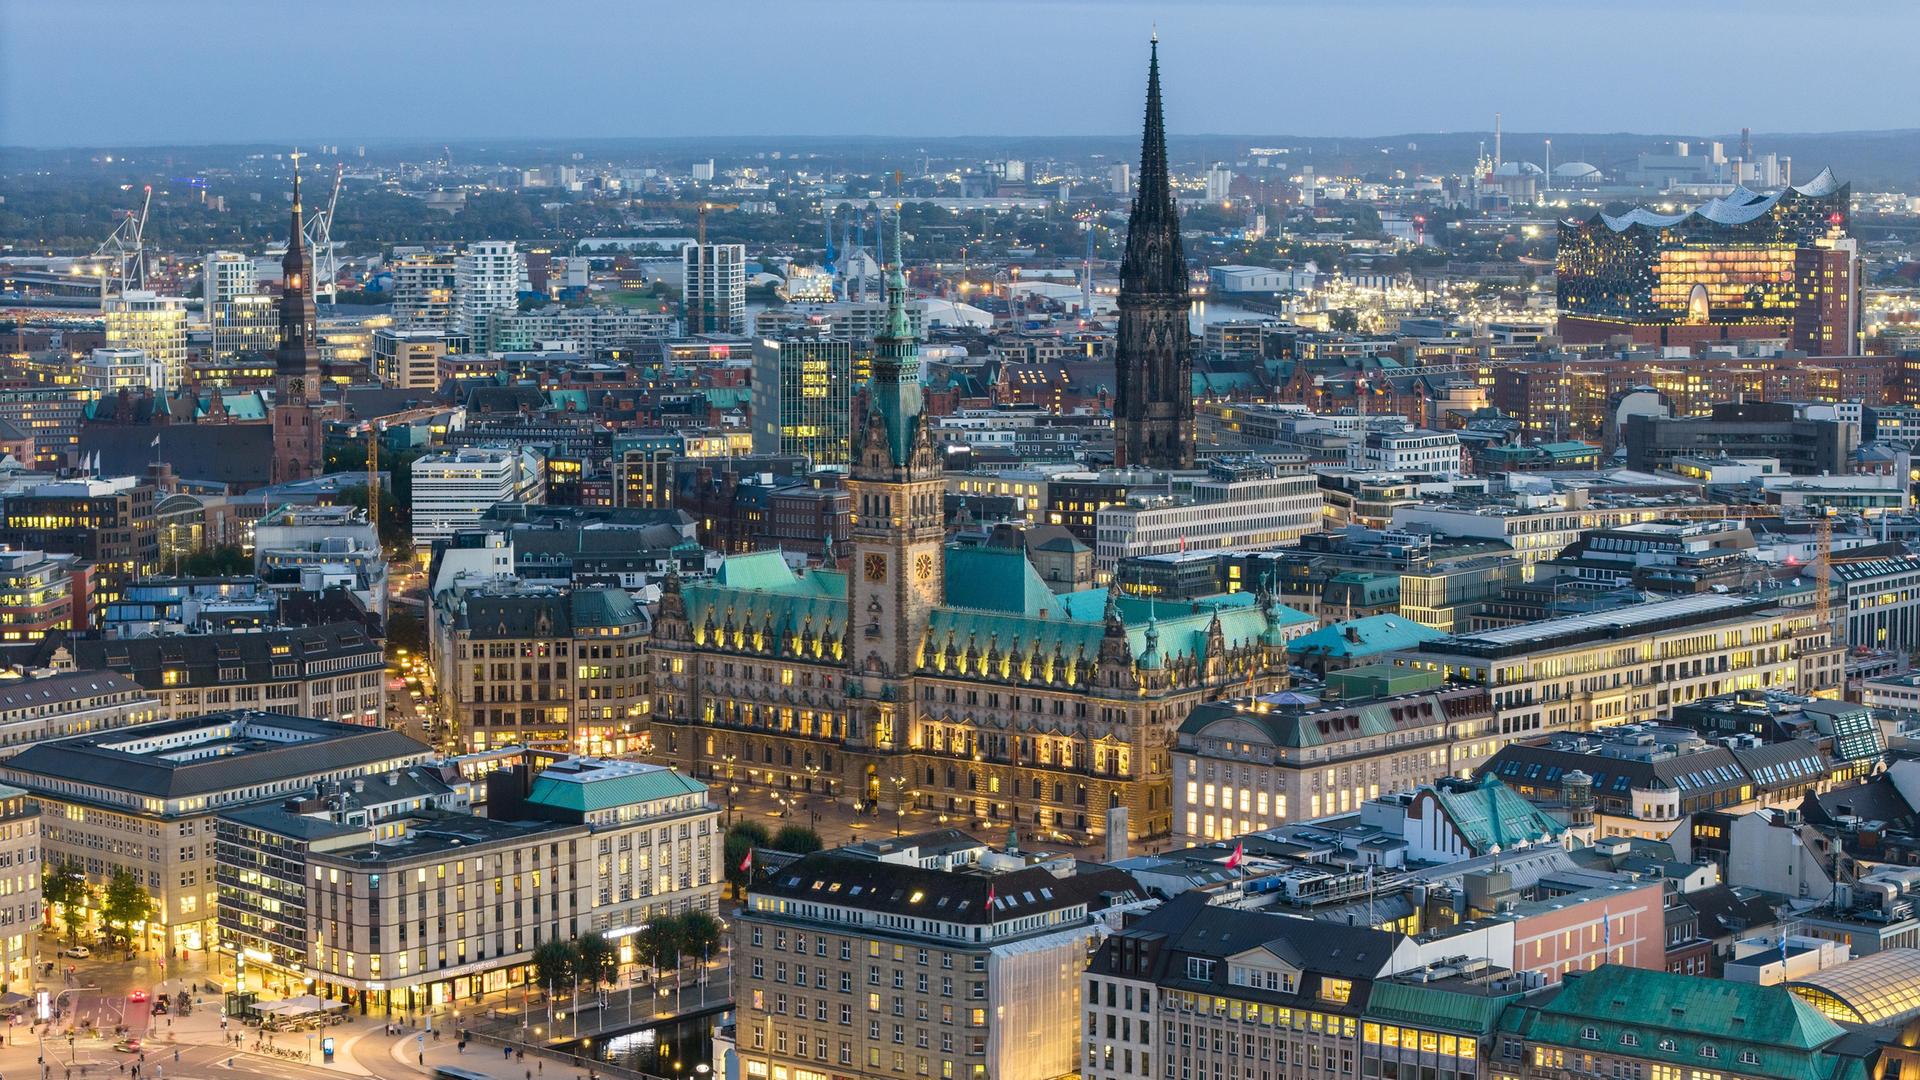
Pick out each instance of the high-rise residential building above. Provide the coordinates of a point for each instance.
(242, 319)
(1738, 266)
(423, 291)
(408, 359)
(299, 417)
(803, 396)
(486, 280)
(245, 325)
(452, 489)
(1153, 366)
(108, 371)
(716, 288)
(226, 275)
(142, 319)
(1120, 178)
(928, 955)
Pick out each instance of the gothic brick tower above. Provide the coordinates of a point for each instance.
(1153, 413)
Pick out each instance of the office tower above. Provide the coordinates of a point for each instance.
(299, 417)
(1120, 178)
(486, 279)
(156, 325)
(1742, 266)
(408, 359)
(1153, 367)
(803, 395)
(716, 288)
(423, 291)
(248, 324)
(453, 488)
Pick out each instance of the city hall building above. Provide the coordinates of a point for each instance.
(952, 679)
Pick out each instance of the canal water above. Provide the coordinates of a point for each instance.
(676, 1048)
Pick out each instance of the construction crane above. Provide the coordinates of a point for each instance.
(125, 251)
(374, 431)
(319, 234)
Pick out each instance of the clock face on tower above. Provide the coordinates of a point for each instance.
(923, 566)
(876, 567)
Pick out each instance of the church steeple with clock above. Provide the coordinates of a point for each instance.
(299, 416)
(899, 527)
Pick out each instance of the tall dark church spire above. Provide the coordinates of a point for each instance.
(297, 363)
(1153, 416)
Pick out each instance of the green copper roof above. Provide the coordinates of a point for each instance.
(1370, 636)
(604, 607)
(570, 793)
(1488, 813)
(729, 397)
(999, 579)
(1670, 1019)
(1470, 1014)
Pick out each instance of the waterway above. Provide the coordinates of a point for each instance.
(675, 1048)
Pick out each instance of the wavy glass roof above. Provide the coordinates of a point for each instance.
(1879, 988)
(1735, 208)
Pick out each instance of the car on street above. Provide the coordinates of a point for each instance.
(137, 997)
(128, 1046)
(78, 952)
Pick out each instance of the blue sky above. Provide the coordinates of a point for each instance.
(132, 72)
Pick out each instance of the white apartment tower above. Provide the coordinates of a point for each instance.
(486, 278)
(716, 289)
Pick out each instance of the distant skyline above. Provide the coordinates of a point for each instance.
(188, 72)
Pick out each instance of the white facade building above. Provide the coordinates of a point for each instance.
(1259, 512)
(451, 490)
(486, 278)
(1418, 451)
(108, 371)
(716, 288)
(225, 275)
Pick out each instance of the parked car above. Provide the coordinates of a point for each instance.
(78, 952)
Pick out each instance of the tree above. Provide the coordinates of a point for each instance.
(658, 940)
(699, 933)
(743, 837)
(126, 903)
(1343, 320)
(553, 964)
(65, 886)
(596, 961)
(797, 839)
(227, 560)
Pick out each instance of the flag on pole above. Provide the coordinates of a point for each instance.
(746, 864)
(1239, 855)
(990, 896)
(155, 443)
(1606, 928)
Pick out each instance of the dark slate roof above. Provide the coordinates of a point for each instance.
(1188, 926)
(66, 686)
(240, 455)
(202, 656)
(525, 615)
(1725, 910)
(946, 895)
(490, 398)
(93, 758)
(278, 819)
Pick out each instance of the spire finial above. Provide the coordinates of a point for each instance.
(1155, 38)
(296, 156)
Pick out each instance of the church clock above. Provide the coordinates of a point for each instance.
(876, 566)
